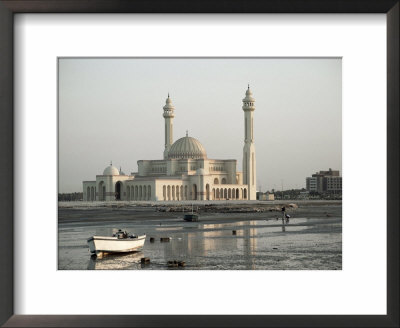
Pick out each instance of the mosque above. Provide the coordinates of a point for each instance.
(185, 172)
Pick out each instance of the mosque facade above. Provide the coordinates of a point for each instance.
(185, 172)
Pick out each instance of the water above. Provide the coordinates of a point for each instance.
(259, 244)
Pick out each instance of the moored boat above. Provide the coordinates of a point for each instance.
(120, 242)
(192, 217)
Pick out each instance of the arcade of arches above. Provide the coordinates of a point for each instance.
(141, 192)
(171, 192)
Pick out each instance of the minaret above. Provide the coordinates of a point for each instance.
(169, 125)
(249, 150)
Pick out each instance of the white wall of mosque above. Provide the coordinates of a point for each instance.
(210, 187)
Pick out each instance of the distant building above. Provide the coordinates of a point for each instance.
(330, 173)
(325, 182)
(312, 184)
(265, 196)
(333, 184)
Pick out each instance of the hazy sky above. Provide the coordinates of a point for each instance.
(111, 109)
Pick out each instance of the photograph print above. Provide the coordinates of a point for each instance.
(199, 163)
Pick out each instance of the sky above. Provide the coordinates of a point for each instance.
(110, 109)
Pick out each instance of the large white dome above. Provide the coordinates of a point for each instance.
(186, 148)
(110, 170)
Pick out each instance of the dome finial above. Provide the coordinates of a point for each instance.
(168, 94)
(187, 133)
(111, 163)
(248, 86)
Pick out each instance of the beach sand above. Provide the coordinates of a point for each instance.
(311, 241)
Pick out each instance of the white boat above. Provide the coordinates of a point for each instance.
(120, 242)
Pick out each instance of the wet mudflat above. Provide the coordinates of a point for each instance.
(311, 241)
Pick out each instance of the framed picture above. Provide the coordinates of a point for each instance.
(347, 60)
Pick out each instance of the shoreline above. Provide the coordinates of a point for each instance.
(197, 203)
(168, 212)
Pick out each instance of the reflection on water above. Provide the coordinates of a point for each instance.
(115, 261)
(169, 228)
(257, 244)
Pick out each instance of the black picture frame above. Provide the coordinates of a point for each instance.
(10, 7)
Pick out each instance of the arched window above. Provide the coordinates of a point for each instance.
(216, 181)
(237, 193)
(88, 193)
(128, 193)
(169, 192)
(213, 193)
(118, 190)
(173, 192)
(177, 192)
(186, 192)
(182, 193)
(225, 193)
(148, 192)
(217, 194)
(144, 197)
(164, 192)
(136, 192)
(223, 181)
(245, 193)
(140, 192)
(194, 192)
(229, 193)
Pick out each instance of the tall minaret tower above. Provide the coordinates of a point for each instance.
(169, 125)
(249, 150)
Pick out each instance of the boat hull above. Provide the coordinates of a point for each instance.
(101, 244)
(191, 217)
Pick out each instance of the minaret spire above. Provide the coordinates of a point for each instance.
(169, 124)
(249, 151)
